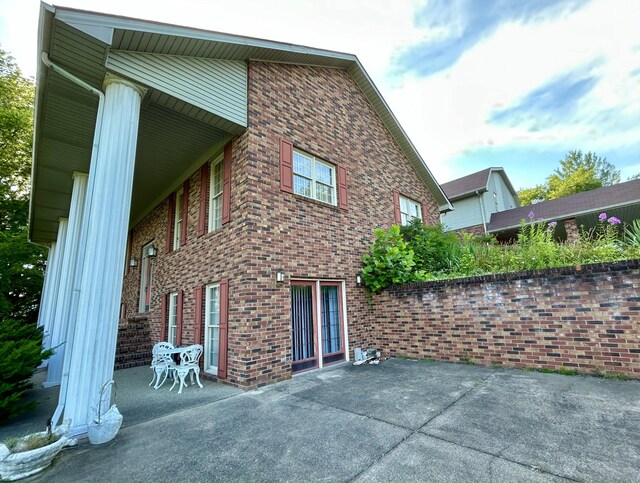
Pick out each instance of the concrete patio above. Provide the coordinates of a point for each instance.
(399, 421)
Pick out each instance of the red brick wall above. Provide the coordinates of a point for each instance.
(585, 319)
(134, 343)
(323, 112)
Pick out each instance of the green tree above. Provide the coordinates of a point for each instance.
(16, 133)
(529, 196)
(21, 263)
(21, 349)
(578, 172)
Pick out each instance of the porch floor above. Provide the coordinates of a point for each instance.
(135, 400)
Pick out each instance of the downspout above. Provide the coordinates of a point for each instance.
(484, 218)
(82, 242)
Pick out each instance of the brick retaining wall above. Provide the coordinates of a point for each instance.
(582, 318)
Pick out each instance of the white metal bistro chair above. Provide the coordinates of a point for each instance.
(189, 358)
(161, 364)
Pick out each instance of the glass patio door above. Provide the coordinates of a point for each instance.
(314, 340)
(303, 334)
(332, 327)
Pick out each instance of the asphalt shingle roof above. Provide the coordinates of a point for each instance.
(467, 184)
(569, 206)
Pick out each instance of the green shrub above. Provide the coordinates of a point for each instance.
(390, 261)
(21, 349)
(417, 252)
(632, 234)
(434, 250)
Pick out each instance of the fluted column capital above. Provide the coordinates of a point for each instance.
(111, 79)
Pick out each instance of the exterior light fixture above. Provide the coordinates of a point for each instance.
(280, 277)
(152, 251)
(358, 280)
(133, 262)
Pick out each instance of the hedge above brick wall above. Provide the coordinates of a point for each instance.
(585, 318)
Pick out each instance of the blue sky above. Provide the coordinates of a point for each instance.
(475, 83)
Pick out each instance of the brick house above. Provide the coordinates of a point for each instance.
(237, 183)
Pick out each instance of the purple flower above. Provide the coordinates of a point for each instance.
(531, 215)
(614, 221)
(602, 217)
(553, 224)
(549, 230)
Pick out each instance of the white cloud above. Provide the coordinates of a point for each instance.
(451, 109)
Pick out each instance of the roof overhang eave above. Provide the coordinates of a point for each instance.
(468, 194)
(45, 22)
(569, 215)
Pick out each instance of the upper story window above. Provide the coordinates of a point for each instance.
(314, 178)
(215, 194)
(409, 210)
(177, 220)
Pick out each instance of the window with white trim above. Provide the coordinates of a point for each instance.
(215, 194)
(177, 220)
(146, 279)
(172, 319)
(409, 210)
(314, 178)
(212, 328)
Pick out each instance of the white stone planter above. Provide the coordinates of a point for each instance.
(14, 466)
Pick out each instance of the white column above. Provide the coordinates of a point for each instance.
(60, 336)
(48, 297)
(106, 221)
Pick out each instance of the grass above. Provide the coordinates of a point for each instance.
(19, 445)
(616, 376)
(562, 372)
(467, 361)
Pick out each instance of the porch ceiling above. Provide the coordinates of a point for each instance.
(173, 136)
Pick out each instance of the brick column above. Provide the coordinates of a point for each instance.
(571, 227)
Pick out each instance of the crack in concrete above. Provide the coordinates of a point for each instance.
(499, 456)
(419, 430)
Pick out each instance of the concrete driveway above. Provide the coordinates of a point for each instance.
(399, 421)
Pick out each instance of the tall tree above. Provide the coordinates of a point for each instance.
(577, 172)
(21, 263)
(16, 133)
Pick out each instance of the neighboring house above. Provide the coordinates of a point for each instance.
(475, 198)
(572, 212)
(237, 180)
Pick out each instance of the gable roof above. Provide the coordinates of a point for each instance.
(81, 41)
(472, 183)
(598, 200)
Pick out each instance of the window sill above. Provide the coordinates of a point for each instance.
(212, 233)
(315, 202)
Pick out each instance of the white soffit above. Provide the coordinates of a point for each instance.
(216, 86)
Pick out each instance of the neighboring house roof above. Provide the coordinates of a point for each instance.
(90, 43)
(474, 183)
(618, 196)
